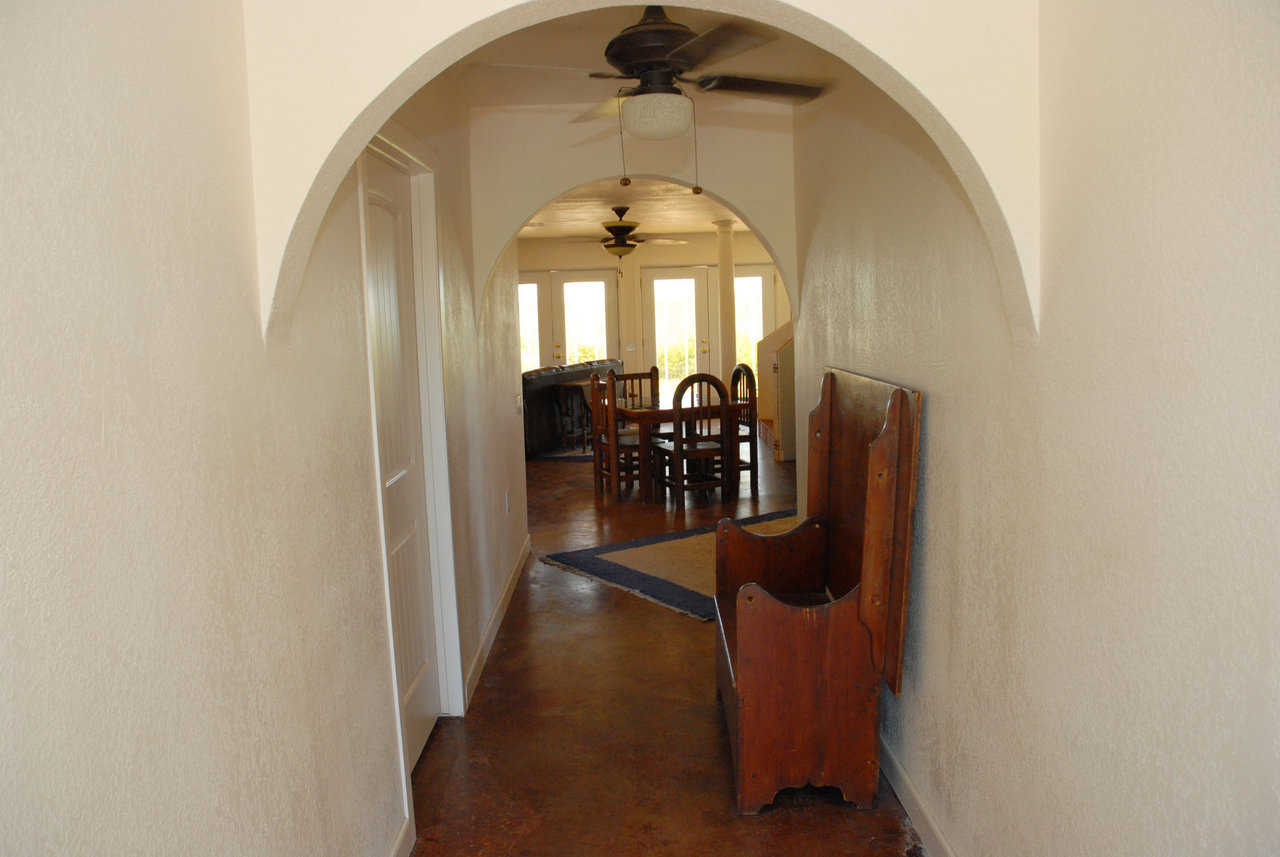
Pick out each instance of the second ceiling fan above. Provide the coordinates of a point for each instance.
(621, 239)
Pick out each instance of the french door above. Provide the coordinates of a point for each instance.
(577, 315)
(682, 319)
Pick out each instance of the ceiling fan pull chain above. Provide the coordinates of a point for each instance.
(697, 185)
(622, 145)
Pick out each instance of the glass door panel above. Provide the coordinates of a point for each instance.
(677, 325)
(530, 354)
(748, 316)
(585, 321)
(675, 311)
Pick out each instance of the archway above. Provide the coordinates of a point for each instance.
(991, 142)
(645, 308)
(481, 189)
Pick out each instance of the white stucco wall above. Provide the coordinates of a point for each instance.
(193, 650)
(322, 78)
(192, 647)
(1092, 661)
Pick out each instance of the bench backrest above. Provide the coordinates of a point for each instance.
(864, 441)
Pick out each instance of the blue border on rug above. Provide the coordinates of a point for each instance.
(673, 595)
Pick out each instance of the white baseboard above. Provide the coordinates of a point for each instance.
(495, 620)
(405, 839)
(930, 834)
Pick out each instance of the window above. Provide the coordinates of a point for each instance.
(748, 315)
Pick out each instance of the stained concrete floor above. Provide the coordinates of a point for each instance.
(595, 729)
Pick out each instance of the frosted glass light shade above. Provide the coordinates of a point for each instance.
(657, 115)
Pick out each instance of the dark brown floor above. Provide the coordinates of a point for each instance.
(595, 729)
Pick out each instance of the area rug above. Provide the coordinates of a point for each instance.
(676, 570)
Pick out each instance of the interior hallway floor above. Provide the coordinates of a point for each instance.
(595, 729)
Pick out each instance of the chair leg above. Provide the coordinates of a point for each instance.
(755, 463)
(677, 480)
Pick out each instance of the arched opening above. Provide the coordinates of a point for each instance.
(500, 138)
(293, 194)
(656, 307)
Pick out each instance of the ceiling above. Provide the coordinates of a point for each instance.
(576, 43)
(660, 207)
(552, 59)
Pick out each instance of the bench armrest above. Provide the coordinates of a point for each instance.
(794, 561)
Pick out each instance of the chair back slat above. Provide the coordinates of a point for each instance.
(742, 389)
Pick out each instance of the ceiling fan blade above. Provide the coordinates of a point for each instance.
(756, 86)
(607, 75)
(663, 242)
(718, 43)
(607, 109)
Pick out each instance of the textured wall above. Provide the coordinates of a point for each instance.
(193, 643)
(1092, 652)
(744, 147)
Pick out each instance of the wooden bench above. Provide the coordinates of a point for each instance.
(811, 621)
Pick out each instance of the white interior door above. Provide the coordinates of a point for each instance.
(393, 355)
(679, 324)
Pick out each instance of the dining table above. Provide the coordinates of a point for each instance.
(648, 416)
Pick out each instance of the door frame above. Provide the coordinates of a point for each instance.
(400, 148)
(429, 304)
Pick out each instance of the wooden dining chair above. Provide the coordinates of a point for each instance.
(639, 388)
(742, 391)
(701, 452)
(616, 450)
(575, 416)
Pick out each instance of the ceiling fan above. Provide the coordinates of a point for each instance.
(660, 53)
(620, 241)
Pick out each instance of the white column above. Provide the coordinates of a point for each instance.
(728, 324)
